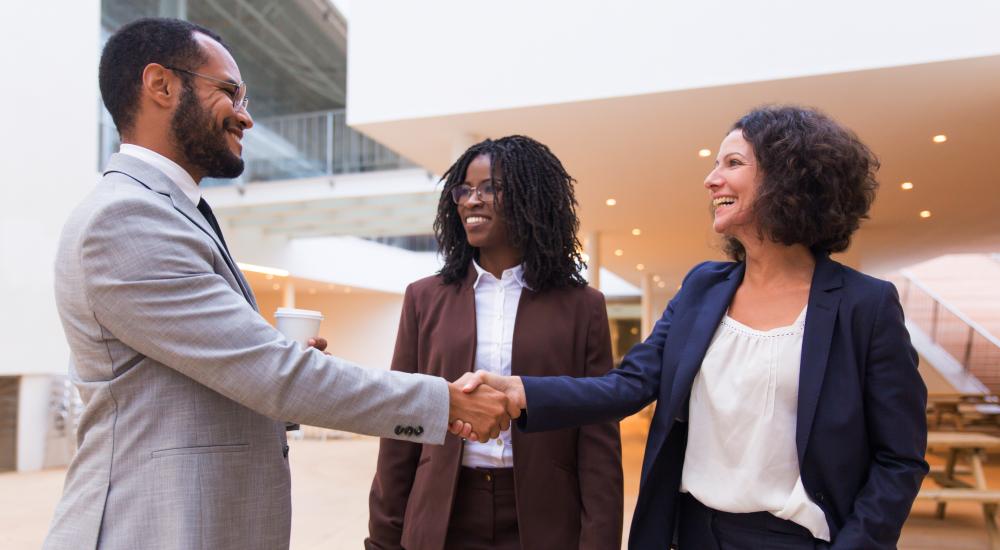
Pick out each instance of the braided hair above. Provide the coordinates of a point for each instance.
(535, 195)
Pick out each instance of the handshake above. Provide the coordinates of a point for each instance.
(482, 404)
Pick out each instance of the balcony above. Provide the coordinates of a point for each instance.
(295, 146)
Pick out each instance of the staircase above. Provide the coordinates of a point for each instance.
(952, 307)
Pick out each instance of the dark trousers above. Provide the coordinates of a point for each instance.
(702, 528)
(484, 514)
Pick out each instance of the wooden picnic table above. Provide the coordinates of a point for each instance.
(970, 447)
(956, 407)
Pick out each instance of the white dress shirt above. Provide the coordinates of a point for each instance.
(741, 455)
(172, 170)
(496, 309)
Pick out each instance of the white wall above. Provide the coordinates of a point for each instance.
(48, 151)
(482, 57)
(360, 327)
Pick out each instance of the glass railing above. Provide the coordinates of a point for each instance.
(294, 146)
(970, 344)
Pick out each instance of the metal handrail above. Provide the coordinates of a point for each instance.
(292, 146)
(912, 279)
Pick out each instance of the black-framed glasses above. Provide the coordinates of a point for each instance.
(239, 91)
(485, 192)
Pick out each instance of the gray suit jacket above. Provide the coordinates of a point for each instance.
(182, 440)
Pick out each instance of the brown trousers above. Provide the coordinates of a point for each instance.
(484, 514)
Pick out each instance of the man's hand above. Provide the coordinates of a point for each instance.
(483, 414)
(511, 387)
(319, 343)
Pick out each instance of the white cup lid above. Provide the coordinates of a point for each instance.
(293, 312)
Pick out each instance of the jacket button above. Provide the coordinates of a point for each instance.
(399, 430)
(409, 430)
(420, 430)
(284, 450)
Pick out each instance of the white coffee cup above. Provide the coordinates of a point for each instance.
(298, 325)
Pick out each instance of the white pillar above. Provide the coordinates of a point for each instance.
(288, 294)
(592, 248)
(46, 173)
(646, 305)
(32, 421)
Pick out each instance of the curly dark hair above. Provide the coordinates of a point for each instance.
(137, 44)
(535, 194)
(817, 179)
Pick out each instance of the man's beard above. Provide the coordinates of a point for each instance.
(203, 146)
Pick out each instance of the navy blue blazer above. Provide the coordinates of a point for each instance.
(861, 431)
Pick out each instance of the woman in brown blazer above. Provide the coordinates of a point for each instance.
(510, 298)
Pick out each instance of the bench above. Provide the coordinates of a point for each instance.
(970, 448)
(960, 495)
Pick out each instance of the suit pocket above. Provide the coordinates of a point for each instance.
(201, 450)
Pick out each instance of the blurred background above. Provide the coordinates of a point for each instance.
(361, 105)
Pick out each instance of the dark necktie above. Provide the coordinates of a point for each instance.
(206, 211)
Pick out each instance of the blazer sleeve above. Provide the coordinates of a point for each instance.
(599, 452)
(564, 402)
(397, 460)
(151, 283)
(895, 404)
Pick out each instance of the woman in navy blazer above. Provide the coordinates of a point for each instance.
(789, 187)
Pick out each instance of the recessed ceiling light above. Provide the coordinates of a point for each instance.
(640, 267)
(268, 276)
(940, 138)
(656, 278)
(312, 291)
(925, 213)
(347, 291)
(331, 286)
(619, 252)
(276, 286)
(661, 284)
(611, 202)
(906, 185)
(704, 153)
(637, 232)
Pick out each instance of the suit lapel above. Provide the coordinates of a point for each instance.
(705, 322)
(464, 328)
(156, 181)
(821, 318)
(524, 312)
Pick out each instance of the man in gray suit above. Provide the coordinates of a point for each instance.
(187, 389)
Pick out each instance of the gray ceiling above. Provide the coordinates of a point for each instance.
(292, 53)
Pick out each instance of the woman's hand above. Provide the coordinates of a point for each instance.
(511, 386)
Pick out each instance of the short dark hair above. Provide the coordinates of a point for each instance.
(537, 200)
(817, 179)
(137, 44)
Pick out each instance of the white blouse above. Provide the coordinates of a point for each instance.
(496, 312)
(741, 455)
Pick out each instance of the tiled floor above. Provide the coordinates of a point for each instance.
(330, 492)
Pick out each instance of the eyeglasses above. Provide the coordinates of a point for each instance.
(238, 91)
(461, 193)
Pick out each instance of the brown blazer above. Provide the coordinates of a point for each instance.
(568, 483)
